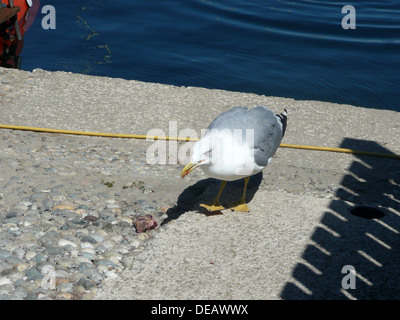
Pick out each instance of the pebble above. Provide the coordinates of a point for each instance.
(64, 207)
(4, 280)
(20, 267)
(33, 274)
(65, 287)
(88, 255)
(97, 237)
(111, 274)
(82, 258)
(64, 242)
(88, 239)
(86, 245)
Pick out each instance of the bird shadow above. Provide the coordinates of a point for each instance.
(204, 191)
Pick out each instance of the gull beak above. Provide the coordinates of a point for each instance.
(188, 168)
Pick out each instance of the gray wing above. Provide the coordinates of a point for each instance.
(267, 130)
(267, 133)
(229, 119)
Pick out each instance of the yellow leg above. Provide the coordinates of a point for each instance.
(241, 205)
(215, 205)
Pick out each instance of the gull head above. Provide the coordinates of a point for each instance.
(201, 155)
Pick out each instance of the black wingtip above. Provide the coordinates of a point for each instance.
(283, 119)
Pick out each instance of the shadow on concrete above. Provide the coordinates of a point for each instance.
(360, 229)
(204, 191)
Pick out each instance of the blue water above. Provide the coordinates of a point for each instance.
(295, 49)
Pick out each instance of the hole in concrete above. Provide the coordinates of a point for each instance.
(367, 212)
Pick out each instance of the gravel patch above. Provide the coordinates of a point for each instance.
(68, 208)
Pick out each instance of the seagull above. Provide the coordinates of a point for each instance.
(238, 143)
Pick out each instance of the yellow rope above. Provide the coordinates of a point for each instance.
(97, 134)
(139, 136)
(342, 150)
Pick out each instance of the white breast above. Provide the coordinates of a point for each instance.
(231, 160)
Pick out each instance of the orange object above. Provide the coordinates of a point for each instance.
(10, 45)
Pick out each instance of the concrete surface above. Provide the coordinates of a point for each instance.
(299, 233)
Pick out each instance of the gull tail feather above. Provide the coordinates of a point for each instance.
(283, 119)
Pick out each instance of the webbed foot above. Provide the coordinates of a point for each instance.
(212, 207)
(241, 207)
